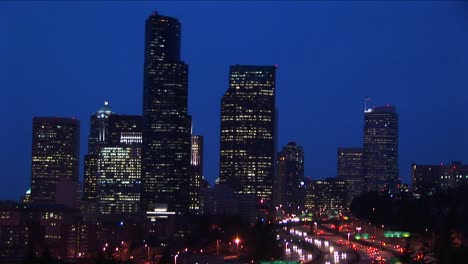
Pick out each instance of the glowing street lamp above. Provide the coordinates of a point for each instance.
(237, 241)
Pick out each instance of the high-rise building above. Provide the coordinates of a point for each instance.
(381, 148)
(349, 164)
(99, 128)
(119, 180)
(289, 178)
(196, 182)
(113, 164)
(55, 155)
(166, 124)
(248, 131)
(327, 198)
(98, 138)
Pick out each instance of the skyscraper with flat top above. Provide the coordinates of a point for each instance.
(289, 178)
(381, 148)
(55, 155)
(166, 124)
(248, 131)
(349, 164)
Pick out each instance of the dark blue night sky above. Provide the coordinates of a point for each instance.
(66, 58)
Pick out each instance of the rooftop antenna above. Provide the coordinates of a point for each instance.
(366, 99)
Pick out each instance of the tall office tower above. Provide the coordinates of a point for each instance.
(119, 179)
(288, 179)
(248, 131)
(166, 123)
(117, 135)
(98, 138)
(196, 163)
(55, 155)
(99, 129)
(381, 148)
(350, 170)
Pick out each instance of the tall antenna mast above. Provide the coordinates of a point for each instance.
(366, 99)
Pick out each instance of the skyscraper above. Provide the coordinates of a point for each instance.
(349, 163)
(196, 163)
(289, 176)
(55, 155)
(118, 180)
(98, 138)
(381, 148)
(113, 164)
(166, 123)
(248, 131)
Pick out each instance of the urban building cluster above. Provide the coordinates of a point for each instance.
(143, 175)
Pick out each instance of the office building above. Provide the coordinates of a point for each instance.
(166, 152)
(430, 179)
(349, 167)
(196, 181)
(113, 164)
(381, 148)
(248, 131)
(55, 155)
(289, 178)
(119, 180)
(327, 198)
(425, 179)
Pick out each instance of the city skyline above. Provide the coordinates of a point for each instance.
(447, 145)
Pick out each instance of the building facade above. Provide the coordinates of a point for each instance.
(166, 152)
(327, 198)
(381, 148)
(196, 181)
(428, 179)
(289, 179)
(248, 131)
(55, 155)
(119, 181)
(113, 164)
(350, 169)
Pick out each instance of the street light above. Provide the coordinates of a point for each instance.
(175, 258)
(147, 251)
(237, 241)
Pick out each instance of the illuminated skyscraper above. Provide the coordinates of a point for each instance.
(119, 179)
(55, 155)
(289, 177)
(113, 164)
(381, 148)
(166, 169)
(350, 170)
(99, 128)
(98, 138)
(196, 163)
(248, 131)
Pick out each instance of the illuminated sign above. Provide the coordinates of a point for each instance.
(398, 234)
(359, 236)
